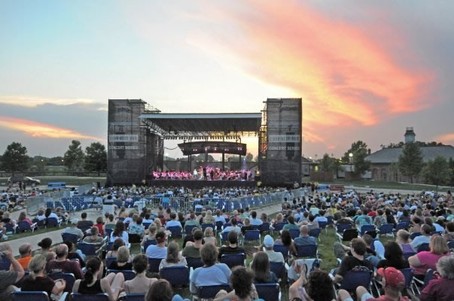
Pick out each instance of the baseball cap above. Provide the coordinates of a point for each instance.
(393, 277)
(268, 241)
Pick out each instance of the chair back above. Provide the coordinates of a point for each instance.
(110, 260)
(176, 232)
(70, 237)
(322, 225)
(153, 264)
(23, 226)
(353, 279)
(188, 229)
(30, 296)
(52, 222)
(315, 232)
(386, 229)
(451, 244)
(87, 297)
(134, 297)
(87, 249)
(128, 274)
(408, 274)
(340, 228)
(268, 291)
(233, 260)
(349, 234)
(68, 277)
(176, 275)
(367, 228)
(294, 233)
(306, 251)
(224, 236)
(194, 262)
(219, 225)
(251, 235)
(5, 263)
(209, 292)
(278, 268)
(134, 238)
(282, 249)
(148, 243)
(423, 247)
(415, 234)
(264, 227)
(204, 226)
(402, 225)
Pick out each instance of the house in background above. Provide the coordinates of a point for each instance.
(384, 163)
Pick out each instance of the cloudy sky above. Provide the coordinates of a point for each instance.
(365, 69)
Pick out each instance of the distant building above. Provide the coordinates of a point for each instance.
(383, 163)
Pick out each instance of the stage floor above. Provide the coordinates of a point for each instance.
(197, 184)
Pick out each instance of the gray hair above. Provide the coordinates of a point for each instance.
(445, 266)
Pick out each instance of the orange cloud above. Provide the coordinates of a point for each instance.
(41, 130)
(446, 138)
(33, 101)
(345, 77)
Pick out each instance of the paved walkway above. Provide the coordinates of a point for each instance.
(92, 214)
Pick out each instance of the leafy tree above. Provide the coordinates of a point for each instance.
(55, 161)
(74, 156)
(437, 171)
(96, 158)
(451, 172)
(411, 161)
(359, 153)
(15, 158)
(327, 164)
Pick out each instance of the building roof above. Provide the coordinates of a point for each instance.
(429, 153)
(184, 124)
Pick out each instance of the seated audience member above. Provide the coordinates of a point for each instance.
(122, 262)
(115, 246)
(136, 227)
(62, 264)
(25, 252)
(23, 218)
(375, 249)
(319, 286)
(74, 253)
(161, 290)
(393, 283)
(242, 284)
(254, 220)
(151, 236)
(426, 231)
(119, 232)
(394, 257)
(209, 218)
(192, 250)
(285, 239)
(290, 224)
(93, 284)
(46, 244)
(159, 250)
(305, 239)
(84, 223)
(110, 223)
(425, 260)
(189, 238)
(100, 225)
(246, 226)
(441, 288)
(268, 244)
(37, 279)
(261, 267)
(73, 229)
(140, 284)
(94, 238)
(449, 235)
(173, 257)
(208, 236)
(11, 276)
(354, 260)
(212, 272)
(233, 247)
(173, 222)
(233, 227)
(403, 239)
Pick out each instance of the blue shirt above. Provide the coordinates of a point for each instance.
(154, 251)
(216, 274)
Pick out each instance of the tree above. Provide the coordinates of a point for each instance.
(74, 156)
(327, 164)
(437, 171)
(96, 158)
(359, 152)
(451, 172)
(15, 158)
(411, 161)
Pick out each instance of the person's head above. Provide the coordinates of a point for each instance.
(438, 245)
(94, 231)
(173, 216)
(61, 251)
(232, 237)
(403, 235)
(172, 253)
(160, 290)
(119, 228)
(45, 243)
(291, 219)
(22, 216)
(241, 280)
(304, 230)
(393, 250)
(140, 263)
(450, 227)
(254, 214)
(320, 286)
(25, 250)
(198, 234)
(247, 222)
(368, 239)
(208, 232)
(161, 237)
(37, 264)
(445, 266)
(268, 242)
(392, 279)
(358, 246)
(279, 217)
(111, 217)
(93, 266)
(209, 254)
(83, 215)
(123, 254)
(261, 266)
(426, 229)
(286, 238)
(152, 229)
(99, 220)
(117, 244)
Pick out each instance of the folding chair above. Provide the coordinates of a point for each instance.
(386, 229)
(315, 233)
(282, 249)
(264, 228)
(233, 260)
(68, 277)
(134, 297)
(340, 228)
(353, 279)
(251, 235)
(153, 264)
(279, 269)
(294, 233)
(423, 247)
(194, 262)
(89, 249)
(188, 229)
(348, 235)
(5, 263)
(410, 284)
(24, 226)
(209, 292)
(87, 297)
(204, 226)
(224, 236)
(268, 291)
(176, 275)
(148, 243)
(306, 251)
(52, 222)
(70, 237)
(278, 227)
(367, 228)
(176, 231)
(34, 296)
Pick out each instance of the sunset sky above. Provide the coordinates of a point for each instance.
(365, 70)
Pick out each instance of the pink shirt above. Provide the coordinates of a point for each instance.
(428, 260)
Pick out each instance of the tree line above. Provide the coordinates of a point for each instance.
(94, 159)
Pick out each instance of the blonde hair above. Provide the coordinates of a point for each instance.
(208, 232)
(438, 245)
(123, 254)
(37, 264)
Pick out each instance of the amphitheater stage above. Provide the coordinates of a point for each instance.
(197, 184)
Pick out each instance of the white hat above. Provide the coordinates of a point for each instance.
(268, 241)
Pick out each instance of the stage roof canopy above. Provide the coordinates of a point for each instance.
(202, 124)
